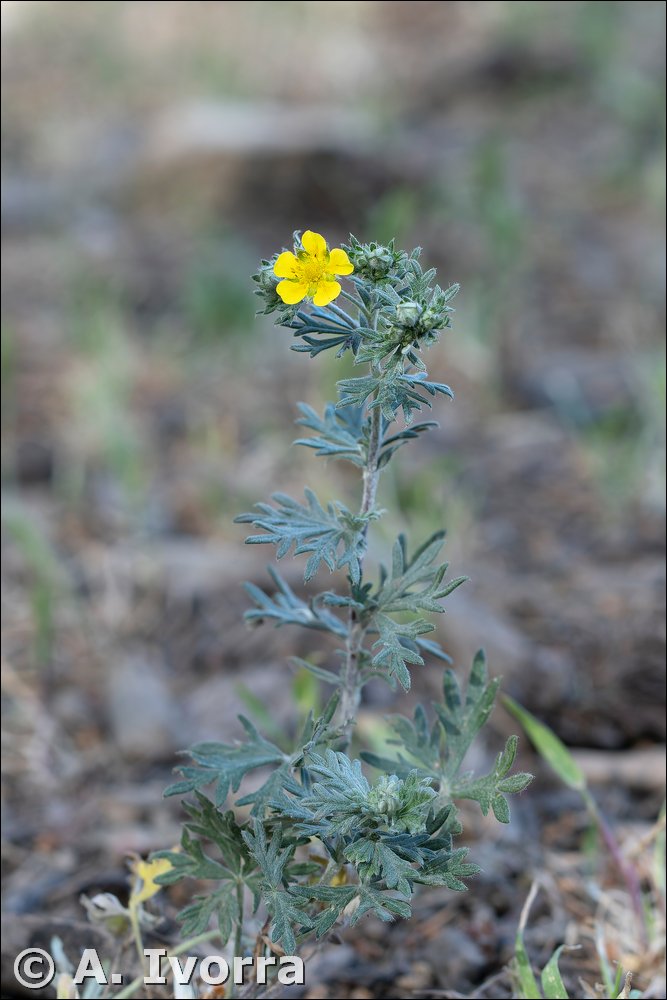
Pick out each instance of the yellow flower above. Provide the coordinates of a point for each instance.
(311, 271)
(146, 872)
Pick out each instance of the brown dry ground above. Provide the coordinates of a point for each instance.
(152, 153)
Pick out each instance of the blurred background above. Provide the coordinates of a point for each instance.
(152, 153)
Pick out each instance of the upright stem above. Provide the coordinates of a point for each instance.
(350, 686)
(371, 473)
(627, 870)
(238, 937)
(238, 940)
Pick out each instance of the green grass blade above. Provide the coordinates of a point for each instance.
(526, 983)
(548, 745)
(552, 983)
(528, 988)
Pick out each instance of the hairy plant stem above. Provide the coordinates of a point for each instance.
(350, 679)
(238, 937)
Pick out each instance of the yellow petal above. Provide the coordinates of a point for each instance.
(285, 266)
(291, 292)
(326, 292)
(314, 244)
(146, 873)
(340, 877)
(339, 262)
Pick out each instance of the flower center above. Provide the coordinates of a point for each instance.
(313, 270)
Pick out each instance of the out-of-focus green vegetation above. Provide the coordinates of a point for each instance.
(45, 583)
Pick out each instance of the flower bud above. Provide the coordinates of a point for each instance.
(267, 283)
(408, 313)
(386, 796)
(374, 262)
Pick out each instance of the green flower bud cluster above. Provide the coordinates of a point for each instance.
(402, 804)
(375, 262)
(410, 317)
(419, 320)
(385, 798)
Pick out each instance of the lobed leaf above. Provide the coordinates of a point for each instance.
(340, 433)
(393, 646)
(333, 536)
(285, 608)
(226, 764)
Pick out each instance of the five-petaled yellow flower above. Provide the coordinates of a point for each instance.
(311, 271)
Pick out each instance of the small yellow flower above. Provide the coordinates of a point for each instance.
(146, 872)
(340, 877)
(311, 271)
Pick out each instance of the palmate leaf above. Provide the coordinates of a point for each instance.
(207, 823)
(395, 647)
(447, 869)
(260, 798)
(206, 820)
(398, 590)
(227, 763)
(285, 608)
(438, 750)
(333, 536)
(353, 902)
(284, 908)
(271, 856)
(413, 282)
(383, 830)
(405, 392)
(392, 390)
(287, 918)
(338, 434)
(490, 790)
(462, 719)
(322, 329)
(418, 739)
(374, 859)
(191, 861)
(412, 585)
(221, 904)
(403, 805)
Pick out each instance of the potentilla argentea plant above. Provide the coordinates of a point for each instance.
(324, 843)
